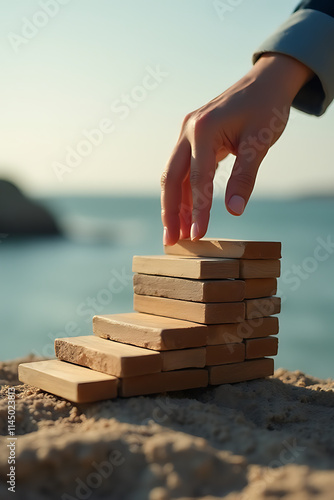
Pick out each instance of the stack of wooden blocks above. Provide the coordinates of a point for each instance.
(205, 315)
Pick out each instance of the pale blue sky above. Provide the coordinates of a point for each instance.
(75, 65)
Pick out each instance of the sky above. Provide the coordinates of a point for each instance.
(93, 93)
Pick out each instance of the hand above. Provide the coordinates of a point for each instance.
(246, 120)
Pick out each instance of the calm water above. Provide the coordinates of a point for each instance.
(53, 287)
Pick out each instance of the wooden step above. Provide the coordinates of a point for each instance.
(186, 267)
(162, 382)
(153, 332)
(192, 290)
(198, 312)
(240, 372)
(107, 356)
(72, 382)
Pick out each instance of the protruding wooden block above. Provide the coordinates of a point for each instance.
(240, 372)
(186, 267)
(256, 288)
(258, 348)
(186, 289)
(198, 312)
(259, 269)
(257, 327)
(232, 249)
(162, 382)
(183, 358)
(256, 308)
(75, 383)
(152, 332)
(224, 354)
(106, 356)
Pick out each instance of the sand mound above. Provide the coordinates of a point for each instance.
(257, 440)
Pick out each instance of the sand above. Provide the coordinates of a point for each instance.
(258, 440)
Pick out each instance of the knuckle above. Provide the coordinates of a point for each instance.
(166, 178)
(171, 213)
(196, 213)
(163, 179)
(186, 119)
(201, 124)
(196, 178)
(246, 180)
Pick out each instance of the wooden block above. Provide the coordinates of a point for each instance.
(240, 372)
(198, 312)
(257, 308)
(109, 357)
(227, 248)
(257, 327)
(259, 269)
(75, 383)
(226, 333)
(152, 332)
(258, 348)
(184, 358)
(236, 332)
(186, 289)
(224, 354)
(162, 382)
(186, 267)
(260, 287)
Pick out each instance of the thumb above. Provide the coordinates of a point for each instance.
(241, 182)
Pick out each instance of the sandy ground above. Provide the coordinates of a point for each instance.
(265, 439)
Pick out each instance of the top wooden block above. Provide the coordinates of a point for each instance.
(229, 249)
(186, 267)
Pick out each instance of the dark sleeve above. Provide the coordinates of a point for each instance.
(324, 6)
(308, 36)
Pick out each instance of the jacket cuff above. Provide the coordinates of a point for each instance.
(308, 36)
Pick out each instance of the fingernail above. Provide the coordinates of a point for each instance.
(194, 232)
(165, 236)
(237, 204)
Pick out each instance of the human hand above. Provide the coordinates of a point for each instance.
(246, 120)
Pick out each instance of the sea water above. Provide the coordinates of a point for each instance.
(51, 287)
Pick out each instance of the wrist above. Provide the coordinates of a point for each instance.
(282, 72)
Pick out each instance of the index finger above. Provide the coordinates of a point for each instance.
(171, 191)
(203, 167)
